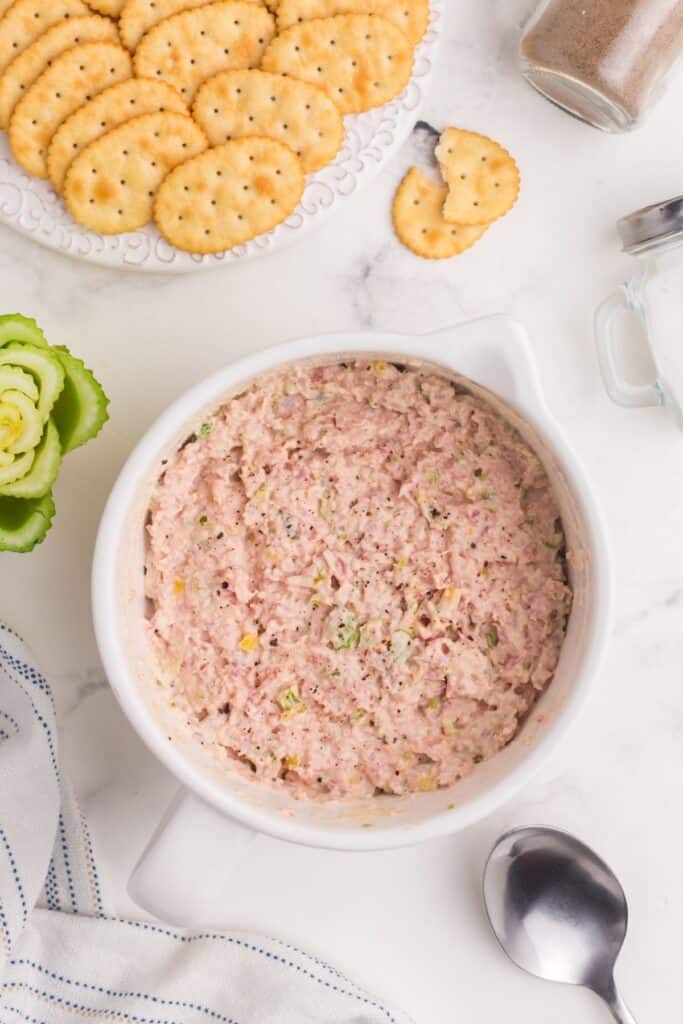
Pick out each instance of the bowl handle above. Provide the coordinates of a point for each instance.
(186, 863)
(496, 353)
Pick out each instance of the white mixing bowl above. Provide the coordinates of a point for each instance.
(493, 358)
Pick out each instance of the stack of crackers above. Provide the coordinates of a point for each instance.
(203, 117)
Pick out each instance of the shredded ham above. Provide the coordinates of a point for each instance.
(357, 579)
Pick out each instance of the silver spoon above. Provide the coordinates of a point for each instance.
(558, 911)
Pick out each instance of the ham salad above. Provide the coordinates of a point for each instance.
(357, 581)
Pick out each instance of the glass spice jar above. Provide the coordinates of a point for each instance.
(604, 61)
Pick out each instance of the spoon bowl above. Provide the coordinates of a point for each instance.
(557, 910)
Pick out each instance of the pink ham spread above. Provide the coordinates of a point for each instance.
(357, 581)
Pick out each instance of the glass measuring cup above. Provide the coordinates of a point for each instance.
(654, 235)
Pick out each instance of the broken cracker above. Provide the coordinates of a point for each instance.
(108, 110)
(419, 221)
(192, 46)
(229, 195)
(25, 20)
(482, 177)
(139, 16)
(238, 103)
(412, 16)
(361, 60)
(30, 64)
(72, 79)
(110, 186)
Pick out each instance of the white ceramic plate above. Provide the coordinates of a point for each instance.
(32, 207)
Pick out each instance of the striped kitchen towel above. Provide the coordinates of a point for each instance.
(63, 958)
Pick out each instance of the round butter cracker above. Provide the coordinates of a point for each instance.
(71, 80)
(111, 185)
(302, 116)
(25, 20)
(361, 60)
(30, 64)
(482, 178)
(228, 195)
(108, 110)
(139, 16)
(419, 221)
(190, 47)
(112, 8)
(412, 16)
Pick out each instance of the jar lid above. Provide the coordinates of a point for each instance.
(652, 225)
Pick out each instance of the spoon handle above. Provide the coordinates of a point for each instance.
(620, 1010)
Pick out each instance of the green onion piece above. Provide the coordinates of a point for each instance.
(342, 629)
(491, 638)
(289, 699)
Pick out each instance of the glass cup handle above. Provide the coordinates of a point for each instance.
(187, 863)
(606, 337)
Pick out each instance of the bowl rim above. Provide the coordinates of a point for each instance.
(106, 591)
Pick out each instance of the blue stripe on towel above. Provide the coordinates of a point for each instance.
(52, 887)
(12, 721)
(61, 831)
(91, 866)
(29, 673)
(158, 1000)
(90, 1011)
(43, 722)
(24, 1016)
(15, 875)
(4, 927)
(252, 948)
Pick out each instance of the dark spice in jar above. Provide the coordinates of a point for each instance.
(620, 48)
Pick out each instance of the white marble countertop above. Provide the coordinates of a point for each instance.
(408, 924)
